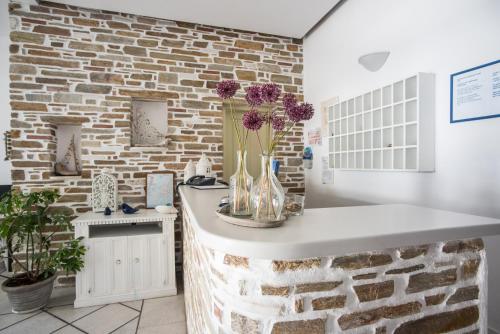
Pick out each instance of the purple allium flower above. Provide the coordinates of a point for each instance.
(307, 111)
(289, 101)
(270, 92)
(254, 96)
(227, 88)
(301, 112)
(252, 120)
(294, 114)
(278, 123)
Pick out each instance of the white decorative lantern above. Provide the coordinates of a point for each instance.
(104, 192)
(204, 166)
(189, 171)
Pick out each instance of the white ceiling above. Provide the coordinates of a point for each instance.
(291, 18)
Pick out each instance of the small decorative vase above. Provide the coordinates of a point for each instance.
(189, 171)
(240, 187)
(204, 166)
(104, 192)
(267, 195)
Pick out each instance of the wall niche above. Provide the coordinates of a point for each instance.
(149, 122)
(68, 150)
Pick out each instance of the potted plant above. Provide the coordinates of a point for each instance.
(28, 227)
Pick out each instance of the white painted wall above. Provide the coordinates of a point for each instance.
(441, 37)
(4, 90)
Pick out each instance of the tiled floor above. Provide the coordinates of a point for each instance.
(159, 315)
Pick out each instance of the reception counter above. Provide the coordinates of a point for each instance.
(365, 269)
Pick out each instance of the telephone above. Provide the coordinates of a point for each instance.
(200, 180)
(197, 180)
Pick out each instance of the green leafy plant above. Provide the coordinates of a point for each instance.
(28, 227)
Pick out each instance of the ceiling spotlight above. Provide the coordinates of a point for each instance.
(374, 61)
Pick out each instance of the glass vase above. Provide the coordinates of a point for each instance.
(240, 187)
(268, 195)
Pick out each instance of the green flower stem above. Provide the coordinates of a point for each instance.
(269, 127)
(260, 143)
(237, 130)
(265, 195)
(281, 135)
(269, 197)
(241, 182)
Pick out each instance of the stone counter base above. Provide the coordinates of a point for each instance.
(436, 288)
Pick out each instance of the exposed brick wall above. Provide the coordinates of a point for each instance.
(75, 65)
(434, 288)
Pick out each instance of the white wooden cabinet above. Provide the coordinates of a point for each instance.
(128, 257)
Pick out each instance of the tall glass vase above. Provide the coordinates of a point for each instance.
(240, 186)
(268, 195)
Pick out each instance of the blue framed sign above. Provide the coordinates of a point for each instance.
(475, 93)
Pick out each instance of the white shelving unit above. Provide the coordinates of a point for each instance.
(387, 129)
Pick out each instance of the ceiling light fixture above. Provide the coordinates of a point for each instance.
(374, 61)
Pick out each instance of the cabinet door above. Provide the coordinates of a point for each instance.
(85, 278)
(156, 253)
(121, 282)
(147, 254)
(100, 268)
(108, 266)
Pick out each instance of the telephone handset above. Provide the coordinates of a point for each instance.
(200, 180)
(197, 180)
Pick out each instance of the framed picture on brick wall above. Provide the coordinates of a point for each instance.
(159, 189)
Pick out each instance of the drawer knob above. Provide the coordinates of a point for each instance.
(118, 261)
(136, 260)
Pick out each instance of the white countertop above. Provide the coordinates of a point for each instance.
(331, 231)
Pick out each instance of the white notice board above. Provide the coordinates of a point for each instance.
(475, 93)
